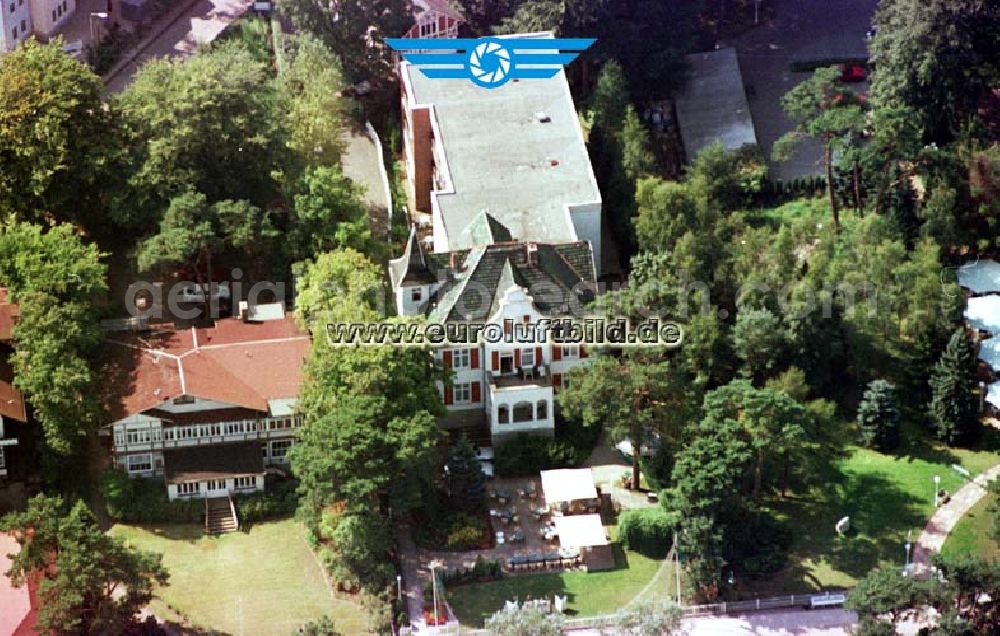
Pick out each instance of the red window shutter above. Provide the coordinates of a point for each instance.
(527, 318)
(517, 357)
(508, 326)
(449, 395)
(496, 360)
(556, 381)
(446, 356)
(583, 352)
(476, 392)
(474, 358)
(556, 352)
(538, 356)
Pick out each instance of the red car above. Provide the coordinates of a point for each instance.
(853, 73)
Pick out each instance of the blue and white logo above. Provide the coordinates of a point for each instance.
(490, 62)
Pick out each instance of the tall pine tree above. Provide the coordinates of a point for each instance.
(954, 407)
(878, 416)
(466, 482)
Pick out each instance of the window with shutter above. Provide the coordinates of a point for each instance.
(583, 352)
(446, 356)
(517, 357)
(477, 395)
(449, 396)
(556, 381)
(538, 356)
(556, 353)
(474, 358)
(496, 360)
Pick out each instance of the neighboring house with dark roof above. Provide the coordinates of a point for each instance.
(506, 387)
(208, 409)
(434, 19)
(516, 154)
(12, 405)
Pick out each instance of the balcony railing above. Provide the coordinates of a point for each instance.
(538, 376)
(157, 436)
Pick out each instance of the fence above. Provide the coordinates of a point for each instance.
(607, 621)
(386, 185)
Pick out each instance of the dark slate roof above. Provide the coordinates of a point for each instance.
(213, 461)
(412, 267)
(487, 272)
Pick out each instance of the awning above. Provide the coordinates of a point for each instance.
(215, 461)
(568, 484)
(580, 531)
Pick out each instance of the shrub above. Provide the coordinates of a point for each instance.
(144, 501)
(525, 455)
(452, 531)
(648, 531)
(279, 499)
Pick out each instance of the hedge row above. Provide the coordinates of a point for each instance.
(648, 531)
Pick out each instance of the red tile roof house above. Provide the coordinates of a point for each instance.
(209, 409)
(434, 19)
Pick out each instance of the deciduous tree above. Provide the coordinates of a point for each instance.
(91, 582)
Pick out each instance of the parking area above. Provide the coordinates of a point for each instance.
(799, 32)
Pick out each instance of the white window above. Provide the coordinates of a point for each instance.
(140, 463)
(460, 359)
(245, 483)
(188, 488)
(279, 448)
(463, 393)
(427, 29)
(571, 351)
(527, 357)
(416, 294)
(215, 484)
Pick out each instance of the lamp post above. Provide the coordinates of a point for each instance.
(434, 565)
(937, 488)
(399, 588)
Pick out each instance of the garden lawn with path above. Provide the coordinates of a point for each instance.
(262, 581)
(972, 534)
(588, 593)
(886, 497)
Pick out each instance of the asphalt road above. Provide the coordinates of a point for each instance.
(801, 30)
(199, 24)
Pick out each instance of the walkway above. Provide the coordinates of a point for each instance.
(179, 33)
(947, 516)
(362, 164)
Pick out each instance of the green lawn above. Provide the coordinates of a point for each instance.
(264, 581)
(971, 535)
(886, 497)
(589, 593)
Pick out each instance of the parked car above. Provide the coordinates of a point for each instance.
(853, 73)
(195, 293)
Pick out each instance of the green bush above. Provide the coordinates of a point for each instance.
(451, 531)
(466, 536)
(648, 531)
(279, 499)
(144, 501)
(525, 455)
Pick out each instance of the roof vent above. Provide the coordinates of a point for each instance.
(542, 117)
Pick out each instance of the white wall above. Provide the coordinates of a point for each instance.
(230, 487)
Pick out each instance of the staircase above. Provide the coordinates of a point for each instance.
(220, 515)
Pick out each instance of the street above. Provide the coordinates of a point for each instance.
(198, 24)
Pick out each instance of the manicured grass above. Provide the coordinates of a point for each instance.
(265, 581)
(886, 497)
(589, 593)
(972, 534)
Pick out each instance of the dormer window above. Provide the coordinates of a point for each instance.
(416, 294)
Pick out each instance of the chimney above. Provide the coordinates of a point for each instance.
(532, 254)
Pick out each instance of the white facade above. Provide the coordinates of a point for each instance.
(15, 23)
(513, 382)
(215, 487)
(49, 15)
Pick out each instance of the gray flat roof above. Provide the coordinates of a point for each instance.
(713, 105)
(502, 159)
